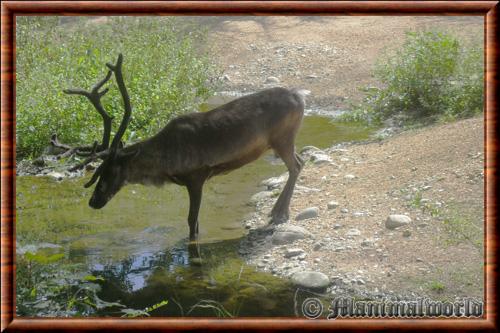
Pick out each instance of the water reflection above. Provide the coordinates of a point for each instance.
(188, 273)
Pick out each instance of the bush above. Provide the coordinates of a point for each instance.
(165, 72)
(432, 77)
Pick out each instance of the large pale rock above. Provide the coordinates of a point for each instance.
(307, 213)
(396, 221)
(289, 234)
(311, 280)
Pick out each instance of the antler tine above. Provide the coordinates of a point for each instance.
(117, 69)
(94, 95)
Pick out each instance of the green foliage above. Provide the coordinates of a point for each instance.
(165, 71)
(48, 287)
(432, 77)
(436, 286)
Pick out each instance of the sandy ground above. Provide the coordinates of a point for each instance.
(332, 56)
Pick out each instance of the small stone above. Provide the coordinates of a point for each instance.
(320, 158)
(272, 79)
(367, 242)
(337, 226)
(260, 196)
(349, 177)
(293, 252)
(317, 246)
(360, 281)
(332, 205)
(406, 233)
(344, 210)
(353, 232)
(396, 220)
(56, 175)
(307, 213)
(317, 260)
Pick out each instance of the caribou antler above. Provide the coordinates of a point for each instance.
(117, 70)
(104, 150)
(116, 143)
(94, 95)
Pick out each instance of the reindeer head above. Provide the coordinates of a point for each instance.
(111, 175)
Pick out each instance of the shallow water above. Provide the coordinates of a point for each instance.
(138, 242)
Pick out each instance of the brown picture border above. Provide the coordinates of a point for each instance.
(9, 322)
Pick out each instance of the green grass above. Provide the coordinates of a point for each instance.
(165, 71)
(436, 286)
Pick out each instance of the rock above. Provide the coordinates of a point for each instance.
(344, 210)
(56, 175)
(349, 177)
(293, 252)
(311, 76)
(337, 226)
(275, 182)
(317, 246)
(226, 78)
(320, 158)
(406, 233)
(289, 234)
(308, 148)
(311, 280)
(353, 232)
(272, 79)
(395, 221)
(307, 213)
(367, 243)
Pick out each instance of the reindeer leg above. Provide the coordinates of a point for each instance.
(294, 163)
(194, 184)
(194, 190)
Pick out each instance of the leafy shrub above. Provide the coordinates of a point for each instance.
(431, 77)
(165, 71)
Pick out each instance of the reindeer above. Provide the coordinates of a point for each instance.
(194, 147)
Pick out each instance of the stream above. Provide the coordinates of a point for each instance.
(138, 241)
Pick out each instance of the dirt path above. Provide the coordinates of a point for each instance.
(331, 56)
